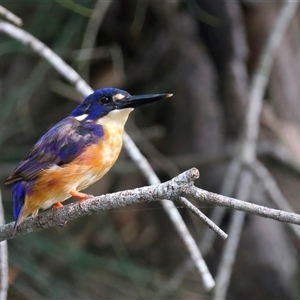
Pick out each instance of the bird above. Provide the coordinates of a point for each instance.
(75, 153)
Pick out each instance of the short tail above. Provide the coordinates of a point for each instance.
(19, 189)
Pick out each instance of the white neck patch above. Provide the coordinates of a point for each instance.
(81, 117)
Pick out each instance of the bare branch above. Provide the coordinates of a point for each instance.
(180, 186)
(50, 218)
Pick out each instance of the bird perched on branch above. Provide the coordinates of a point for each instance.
(75, 153)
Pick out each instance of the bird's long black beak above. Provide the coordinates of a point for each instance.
(136, 101)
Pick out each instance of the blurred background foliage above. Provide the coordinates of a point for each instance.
(204, 53)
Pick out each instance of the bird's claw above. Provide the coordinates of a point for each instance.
(87, 196)
(62, 224)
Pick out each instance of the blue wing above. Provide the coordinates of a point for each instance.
(59, 146)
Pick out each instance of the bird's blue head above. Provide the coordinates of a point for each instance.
(112, 101)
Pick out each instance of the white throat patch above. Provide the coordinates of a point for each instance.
(115, 117)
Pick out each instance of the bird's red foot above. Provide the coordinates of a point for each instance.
(57, 205)
(82, 196)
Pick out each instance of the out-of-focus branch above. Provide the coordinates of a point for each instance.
(75, 7)
(139, 17)
(261, 76)
(81, 86)
(248, 150)
(231, 248)
(90, 34)
(3, 259)
(273, 191)
(163, 162)
(112, 51)
(41, 49)
(9, 16)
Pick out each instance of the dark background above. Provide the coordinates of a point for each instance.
(204, 52)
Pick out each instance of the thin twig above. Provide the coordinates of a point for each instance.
(203, 217)
(9, 16)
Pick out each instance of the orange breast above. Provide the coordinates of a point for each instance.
(55, 184)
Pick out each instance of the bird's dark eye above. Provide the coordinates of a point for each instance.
(105, 100)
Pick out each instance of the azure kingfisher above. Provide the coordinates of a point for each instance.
(75, 153)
